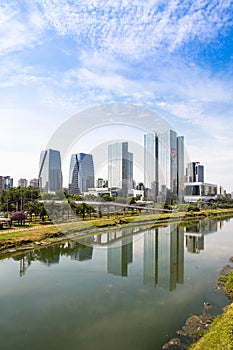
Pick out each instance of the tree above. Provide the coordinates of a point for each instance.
(19, 216)
(84, 208)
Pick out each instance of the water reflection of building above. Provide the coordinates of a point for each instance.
(164, 257)
(150, 266)
(195, 243)
(195, 234)
(119, 256)
(82, 254)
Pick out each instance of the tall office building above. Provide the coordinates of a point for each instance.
(194, 172)
(120, 167)
(168, 162)
(151, 171)
(81, 175)
(130, 159)
(180, 168)
(199, 173)
(50, 174)
(164, 165)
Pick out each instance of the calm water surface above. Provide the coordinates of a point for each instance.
(128, 289)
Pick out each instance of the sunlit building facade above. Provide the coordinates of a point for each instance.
(50, 174)
(120, 167)
(151, 170)
(81, 175)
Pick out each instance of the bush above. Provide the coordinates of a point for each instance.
(193, 208)
(19, 216)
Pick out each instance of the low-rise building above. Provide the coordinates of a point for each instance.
(194, 191)
(23, 183)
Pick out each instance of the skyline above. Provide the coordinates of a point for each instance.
(173, 57)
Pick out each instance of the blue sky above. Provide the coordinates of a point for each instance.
(59, 57)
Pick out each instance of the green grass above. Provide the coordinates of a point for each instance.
(220, 333)
(18, 236)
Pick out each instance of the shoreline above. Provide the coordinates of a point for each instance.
(199, 332)
(13, 240)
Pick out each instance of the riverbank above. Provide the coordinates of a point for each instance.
(32, 236)
(207, 331)
(220, 333)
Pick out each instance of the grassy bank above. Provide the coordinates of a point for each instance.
(21, 236)
(220, 333)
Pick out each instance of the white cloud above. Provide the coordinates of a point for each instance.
(18, 31)
(135, 28)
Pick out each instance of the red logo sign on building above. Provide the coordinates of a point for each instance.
(173, 153)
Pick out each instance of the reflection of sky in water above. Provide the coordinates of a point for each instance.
(79, 298)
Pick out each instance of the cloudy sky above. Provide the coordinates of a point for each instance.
(59, 57)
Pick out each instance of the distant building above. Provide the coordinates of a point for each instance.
(139, 194)
(101, 183)
(120, 167)
(194, 191)
(23, 183)
(81, 175)
(151, 165)
(98, 191)
(194, 172)
(50, 174)
(220, 191)
(6, 182)
(34, 183)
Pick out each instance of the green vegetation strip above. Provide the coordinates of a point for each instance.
(220, 333)
(20, 237)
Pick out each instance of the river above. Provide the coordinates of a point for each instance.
(122, 289)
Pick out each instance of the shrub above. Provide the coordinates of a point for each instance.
(19, 216)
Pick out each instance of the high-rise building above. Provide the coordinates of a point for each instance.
(50, 174)
(168, 160)
(120, 167)
(199, 173)
(164, 165)
(81, 175)
(6, 182)
(23, 183)
(180, 168)
(151, 171)
(194, 172)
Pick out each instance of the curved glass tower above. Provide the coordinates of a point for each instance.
(81, 175)
(50, 174)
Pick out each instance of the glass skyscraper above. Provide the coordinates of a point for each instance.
(180, 167)
(50, 174)
(151, 175)
(81, 175)
(120, 167)
(164, 165)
